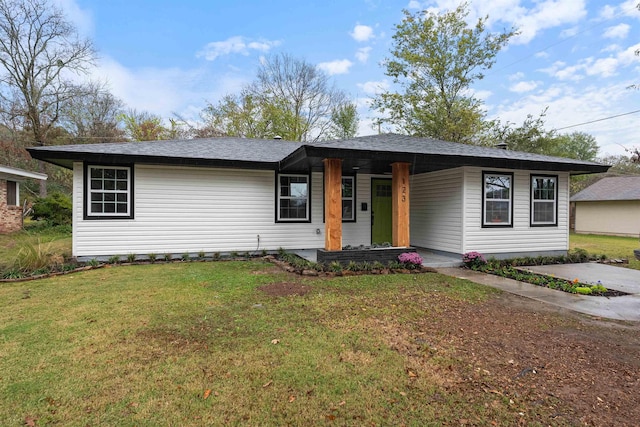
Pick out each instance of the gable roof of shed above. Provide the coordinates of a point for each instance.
(611, 188)
(368, 153)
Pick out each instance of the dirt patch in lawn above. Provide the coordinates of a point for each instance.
(580, 370)
(283, 289)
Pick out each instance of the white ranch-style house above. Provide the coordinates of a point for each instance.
(235, 194)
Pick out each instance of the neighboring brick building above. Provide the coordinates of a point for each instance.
(10, 207)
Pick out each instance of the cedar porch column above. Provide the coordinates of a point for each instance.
(400, 203)
(333, 204)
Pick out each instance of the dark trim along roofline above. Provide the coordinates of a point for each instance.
(446, 160)
(66, 159)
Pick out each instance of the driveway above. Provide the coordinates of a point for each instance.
(622, 279)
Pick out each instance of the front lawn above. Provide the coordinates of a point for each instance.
(199, 344)
(611, 246)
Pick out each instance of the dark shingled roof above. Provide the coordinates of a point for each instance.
(371, 154)
(232, 151)
(612, 188)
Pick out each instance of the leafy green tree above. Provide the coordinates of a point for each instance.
(435, 60)
(344, 122)
(143, 126)
(575, 145)
(531, 136)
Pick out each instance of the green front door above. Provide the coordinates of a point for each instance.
(381, 211)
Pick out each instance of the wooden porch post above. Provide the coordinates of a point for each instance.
(400, 203)
(333, 204)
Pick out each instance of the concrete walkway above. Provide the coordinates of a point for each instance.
(618, 308)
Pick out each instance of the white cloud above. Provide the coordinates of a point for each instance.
(619, 31)
(612, 48)
(517, 76)
(362, 33)
(604, 67)
(413, 4)
(548, 14)
(362, 54)
(607, 12)
(522, 87)
(374, 87)
(165, 91)
(569, 32)
(236, 44)
(339, 66)
(81, 18)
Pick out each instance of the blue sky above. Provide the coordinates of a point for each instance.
(574, 57)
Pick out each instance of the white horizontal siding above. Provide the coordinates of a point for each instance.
(436, 210)
(185, 209)
(359, 232)
(520, 238)
(615, 217)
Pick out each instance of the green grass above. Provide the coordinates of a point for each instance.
(141, 345)
(56, 240)
(611, 246)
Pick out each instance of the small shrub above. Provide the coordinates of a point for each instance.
(13, 273)
(335, 266)
(395, 265)
(114, 259)
(152, 257)
(216, 256)
(233, 254)
(185, 256)
(377, 265)
(264, 252)
(583, 290)
(201, 254)
(282, 252)
(365, 266)
(33, 256)
(473, 259)
(352, 266)
(167, 257)
(578, 255)
(410, 259)
(93, 262)
(55, 209)
(131, 257)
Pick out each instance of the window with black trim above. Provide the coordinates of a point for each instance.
(293, 198)
(348, 199)
(544, 200)
(497, 199)
(109, 192)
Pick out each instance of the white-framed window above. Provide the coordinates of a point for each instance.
(293, 198)
(544, 200)
(109, 192)
(497, 203)
(348, 198)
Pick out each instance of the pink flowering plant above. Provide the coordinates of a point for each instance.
(410, 259)
(473, 260)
